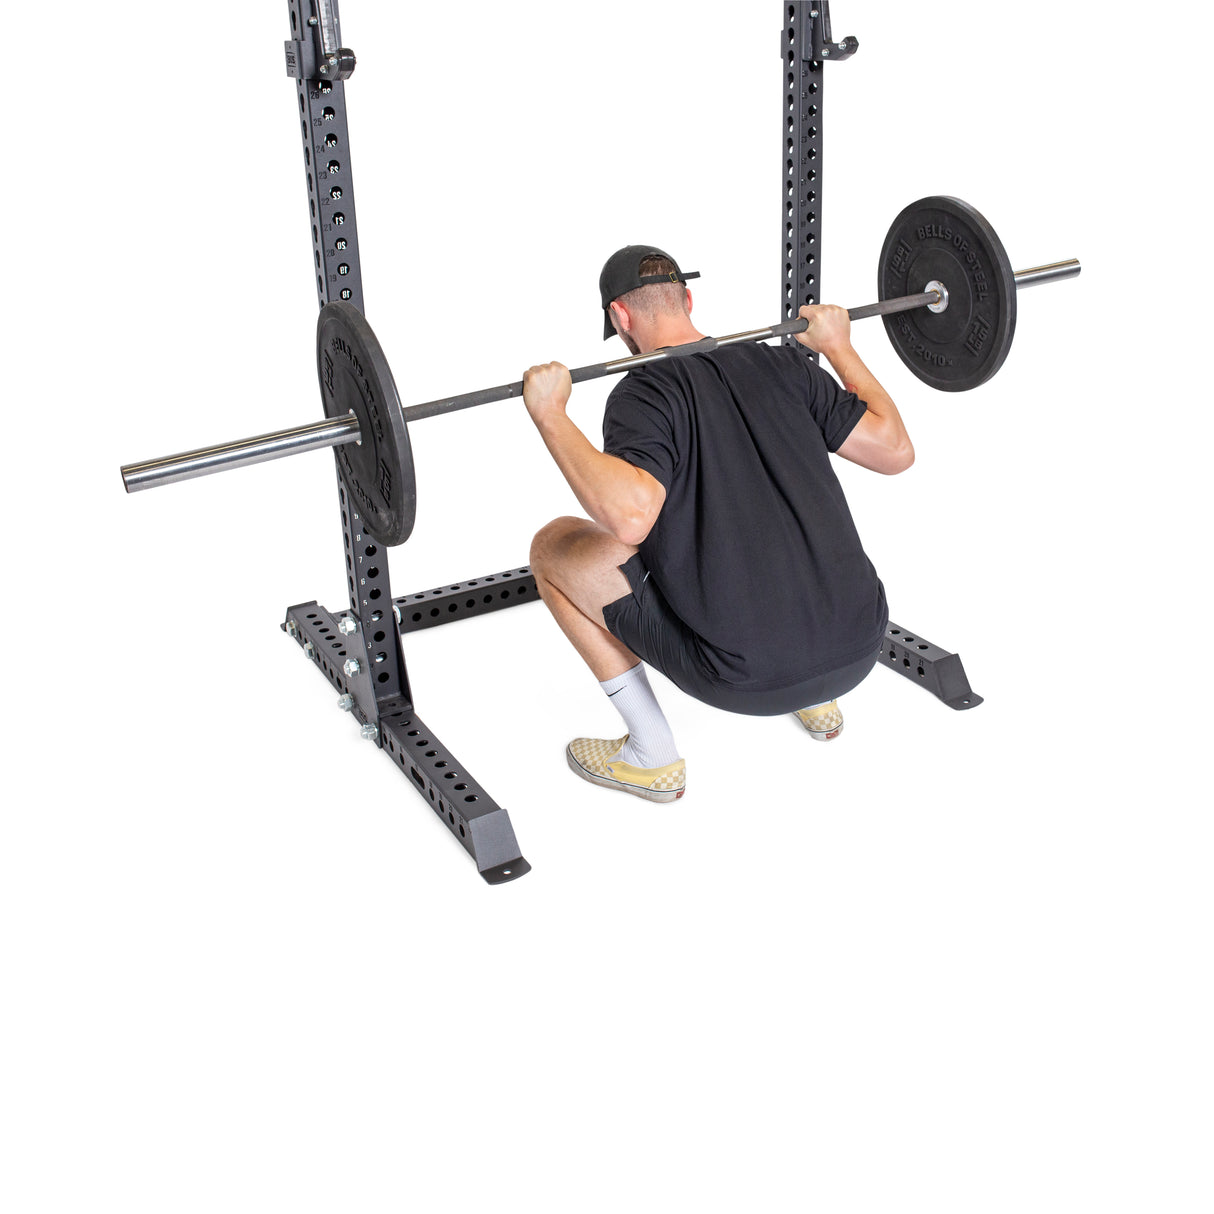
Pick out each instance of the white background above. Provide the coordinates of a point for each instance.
(953, 962)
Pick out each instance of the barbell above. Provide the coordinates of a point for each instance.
(954, 333)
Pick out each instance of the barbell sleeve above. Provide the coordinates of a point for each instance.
(1055, 272)
(333, 432)
(329, 432)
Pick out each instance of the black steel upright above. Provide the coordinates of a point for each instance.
(320, 65)
(801, 237)
(805, 46)
(360, 651)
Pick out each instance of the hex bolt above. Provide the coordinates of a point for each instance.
(346, 625)
(370, 731)
(346, 703)
(352, 667)
(292, 628)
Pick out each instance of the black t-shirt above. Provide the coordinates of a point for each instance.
(754, 549)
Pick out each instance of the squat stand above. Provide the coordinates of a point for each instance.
(360, 652)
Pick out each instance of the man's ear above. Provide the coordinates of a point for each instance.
(623, 321)
(688, 290)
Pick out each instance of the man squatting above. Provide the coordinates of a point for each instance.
(719, 547)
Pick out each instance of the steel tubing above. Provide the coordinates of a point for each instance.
(1055, 272)
(260, 449)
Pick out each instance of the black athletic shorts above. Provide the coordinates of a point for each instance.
(645, 623)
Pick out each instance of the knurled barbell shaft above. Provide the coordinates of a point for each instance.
(331, 432)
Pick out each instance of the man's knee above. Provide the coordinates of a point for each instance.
(581, 560)
(552, 541)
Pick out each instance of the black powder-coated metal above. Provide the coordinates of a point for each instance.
(378, 644)
(461, 600)
(481, 826)
(824, 48)
(801, 192)
(326, 148)
(379, 687)
(932, 668)
(941, 239)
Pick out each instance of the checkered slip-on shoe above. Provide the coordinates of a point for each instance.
(824, 721)
(598, 761)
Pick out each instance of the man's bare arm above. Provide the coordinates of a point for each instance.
(619, 497)
(879, 440)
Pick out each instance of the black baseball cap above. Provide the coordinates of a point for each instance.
(622, 274)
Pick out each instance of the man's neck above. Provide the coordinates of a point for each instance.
(670, 333)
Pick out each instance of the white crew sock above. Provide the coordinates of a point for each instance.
(650, 742)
